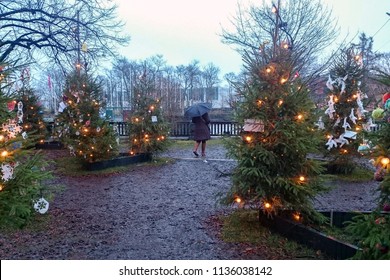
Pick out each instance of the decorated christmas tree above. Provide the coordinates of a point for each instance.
(79, 124)
(273, 169)
(33, 123)
(148, 130)
(22, 171)
(372, 231)
(344, 118)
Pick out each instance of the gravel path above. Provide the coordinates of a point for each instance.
(149, 212)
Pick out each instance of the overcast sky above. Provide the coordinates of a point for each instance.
(184, 30)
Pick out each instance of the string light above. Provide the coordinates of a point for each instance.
(296, 216)
(385, 161)
(4, 153)
(267, 205)
(302, 178)
(1, 137)
(238, 200)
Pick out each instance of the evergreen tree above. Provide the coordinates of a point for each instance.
(372, 231)
(22, 171)
(33, 123)
(79, 124)
(274, 171)
(344, 118)
(148, 130)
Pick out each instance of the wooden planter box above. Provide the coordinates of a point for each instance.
(121, 160)
(53, 145)
(310, 237)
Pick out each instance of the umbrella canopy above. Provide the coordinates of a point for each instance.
(197, 110)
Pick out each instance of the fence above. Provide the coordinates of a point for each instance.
(183, 129)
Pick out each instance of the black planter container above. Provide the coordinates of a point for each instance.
(53, 145)
(310, 237)
(121, 160)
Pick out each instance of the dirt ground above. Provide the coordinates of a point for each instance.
(150, 212)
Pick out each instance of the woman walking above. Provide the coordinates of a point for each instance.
(201, 133)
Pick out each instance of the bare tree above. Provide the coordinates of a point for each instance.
(303, 27)
(210, 78)
(59, 29)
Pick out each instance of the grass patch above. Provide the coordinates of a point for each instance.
(243, 226)
(71, 166)
(359, 174)
(185, 144)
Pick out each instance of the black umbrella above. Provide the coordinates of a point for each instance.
(197, 110)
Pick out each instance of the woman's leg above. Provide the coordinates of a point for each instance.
(203, 148)
(196, 146)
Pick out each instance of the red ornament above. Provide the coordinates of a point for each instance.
(385, 97)
(386, 207)
(11, 105)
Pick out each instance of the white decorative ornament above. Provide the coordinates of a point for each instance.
(320, 123)
(330, 110)
(71, 150)
(11, 128)
(41, 205)
(154, 119)
(61, 107)
(352, 116)
(8, 172)
(98, 129)
(346, 125)
(350, 134)
(24, 135)
(329, 83)
(341, 140)
(337, 122)
(331, 143)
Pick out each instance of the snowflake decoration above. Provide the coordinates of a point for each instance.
(41, 205)
(7, 171)
(11, 128)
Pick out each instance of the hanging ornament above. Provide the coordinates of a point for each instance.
(61, 107)
(98, 129)
(330, 110)
(88, 122)
(41, 205)
(320, 124)
(24, 135)
(329, 83)
(84, 47)
(385, 97)
(331, 143)
(11, 105)
(352, 116)
(11, 128)
(342, 140)
(8, 172)
(378, 114)
(346, 124)
(364, 148)
(19, 114)
(154, 119)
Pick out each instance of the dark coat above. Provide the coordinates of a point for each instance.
(201, 128)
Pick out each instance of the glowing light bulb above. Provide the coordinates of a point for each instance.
(385, 161)
(4, 153)
(268, 70)
(238, 200)
(248, 138)
(296, 216)
(300, 117)
(267, 205)
(1, 138)
(302, 178)
(283, 80)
